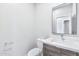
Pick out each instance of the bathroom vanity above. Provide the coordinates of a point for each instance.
(50, 50)
(68, 47)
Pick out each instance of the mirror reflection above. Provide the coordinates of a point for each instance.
(64, 19)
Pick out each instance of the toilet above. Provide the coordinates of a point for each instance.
(36, 51)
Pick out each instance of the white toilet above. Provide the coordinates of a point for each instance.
(36, 51)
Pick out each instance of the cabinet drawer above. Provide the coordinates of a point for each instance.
(68, 52)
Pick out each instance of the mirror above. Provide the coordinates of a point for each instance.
(64, 20)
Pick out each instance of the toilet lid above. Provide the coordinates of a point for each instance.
(34, 52)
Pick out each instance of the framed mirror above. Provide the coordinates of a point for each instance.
(64, 20)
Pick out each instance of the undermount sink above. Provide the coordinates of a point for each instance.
(54, 40)
(67, 45)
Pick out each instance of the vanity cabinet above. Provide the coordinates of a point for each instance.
(49, 50)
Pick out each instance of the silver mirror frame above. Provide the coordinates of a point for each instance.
(73, 17)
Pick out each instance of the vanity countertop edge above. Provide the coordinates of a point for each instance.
(59, 46)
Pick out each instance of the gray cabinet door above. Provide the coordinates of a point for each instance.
(49, 50)
(68, 52)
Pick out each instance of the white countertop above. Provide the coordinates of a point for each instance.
(69, 46)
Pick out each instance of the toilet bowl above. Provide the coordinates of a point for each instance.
(36, 51)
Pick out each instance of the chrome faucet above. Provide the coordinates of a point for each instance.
(62, 37)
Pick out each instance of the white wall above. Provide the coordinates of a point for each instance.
(43, 19)
(17, 26)
(22, 24)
